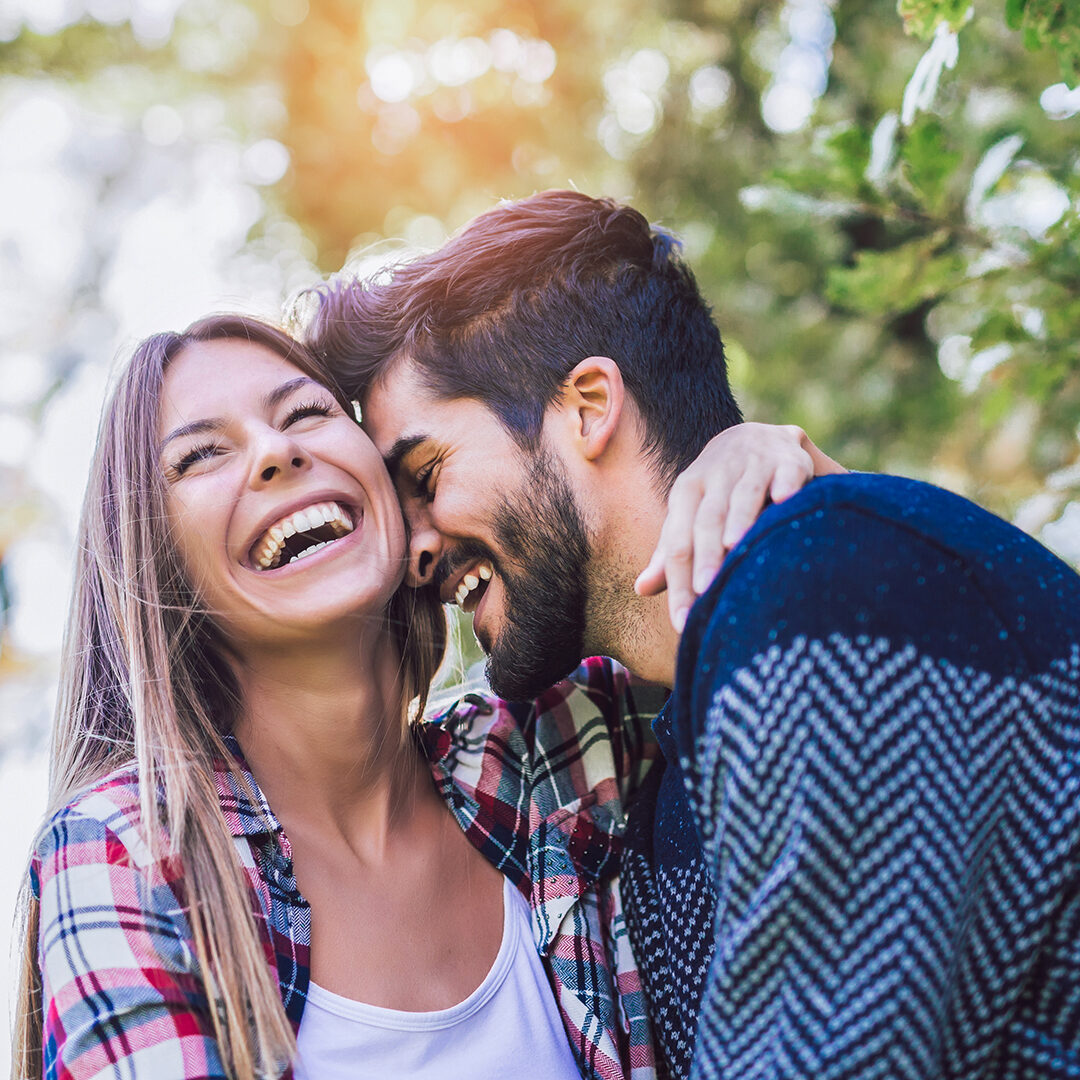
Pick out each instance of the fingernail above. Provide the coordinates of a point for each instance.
(680, 618)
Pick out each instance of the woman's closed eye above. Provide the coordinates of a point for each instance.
(306, 409)
(205, 451)
(194, 455)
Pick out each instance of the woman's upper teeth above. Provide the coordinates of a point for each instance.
(480, 572)
(268, 548)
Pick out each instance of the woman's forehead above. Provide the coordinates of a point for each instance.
(221, 374)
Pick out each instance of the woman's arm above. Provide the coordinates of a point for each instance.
(716, 500)
(122, 994)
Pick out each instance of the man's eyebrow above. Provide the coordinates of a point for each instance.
(398, 452)
(216, 423)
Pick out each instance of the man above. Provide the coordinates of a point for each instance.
(862, 854)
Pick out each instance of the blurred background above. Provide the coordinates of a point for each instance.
(881, 204)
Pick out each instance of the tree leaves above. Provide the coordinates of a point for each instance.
(900, 279)
(1050, 22)
(923, 17)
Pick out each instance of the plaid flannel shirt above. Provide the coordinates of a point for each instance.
(539, 789)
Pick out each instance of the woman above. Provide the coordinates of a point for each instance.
(240, 554)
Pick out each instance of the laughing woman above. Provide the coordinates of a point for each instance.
(247, 869)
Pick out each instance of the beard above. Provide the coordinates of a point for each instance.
(543, 562)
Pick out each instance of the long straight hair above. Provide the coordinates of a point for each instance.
(144, 680)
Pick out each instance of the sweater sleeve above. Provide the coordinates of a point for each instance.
(879, 778)
(122, 995)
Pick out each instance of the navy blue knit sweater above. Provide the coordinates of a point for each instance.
(862, 858)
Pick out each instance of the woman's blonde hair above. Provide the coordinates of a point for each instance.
(144, 679)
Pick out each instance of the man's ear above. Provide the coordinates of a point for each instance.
(591, 403)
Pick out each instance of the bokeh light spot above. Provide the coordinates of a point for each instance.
(536, 61)
(392, 77)
(162, 125)
(709, 89)
(786, 107)
(266, 161)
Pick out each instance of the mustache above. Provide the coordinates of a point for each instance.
(468, 551)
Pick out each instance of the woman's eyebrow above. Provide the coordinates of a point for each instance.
(196, 427)
(216, 423)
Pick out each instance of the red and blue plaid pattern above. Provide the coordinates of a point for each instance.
(540, 790)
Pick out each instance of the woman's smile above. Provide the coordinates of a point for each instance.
(319, 523)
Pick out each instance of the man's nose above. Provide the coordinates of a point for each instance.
(425, 548)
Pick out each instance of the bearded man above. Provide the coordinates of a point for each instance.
(860, 855)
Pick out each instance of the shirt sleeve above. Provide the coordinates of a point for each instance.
(856, 731)
(122, 994)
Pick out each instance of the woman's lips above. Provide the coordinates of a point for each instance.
(300, 531)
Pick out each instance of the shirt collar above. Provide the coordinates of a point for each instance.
(247, 813)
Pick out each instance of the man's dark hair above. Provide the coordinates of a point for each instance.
(507, 307)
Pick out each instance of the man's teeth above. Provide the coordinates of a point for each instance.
(268, 550)
(471, 580)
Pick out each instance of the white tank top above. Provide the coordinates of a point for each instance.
(507, 1028)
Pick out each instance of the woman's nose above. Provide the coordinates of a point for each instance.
(275, 453)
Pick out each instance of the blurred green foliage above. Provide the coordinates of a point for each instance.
(895, 267)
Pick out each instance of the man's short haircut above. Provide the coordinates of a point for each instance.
(508, 306)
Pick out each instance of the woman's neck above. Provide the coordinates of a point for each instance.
(321, 729)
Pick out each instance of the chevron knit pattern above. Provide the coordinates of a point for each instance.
(872, 777)
(671, 920)
(896, 868)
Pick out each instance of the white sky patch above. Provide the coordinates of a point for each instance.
(266, 162)
(24, 786)
(882, 148)
(65, 442)
(802, 68)
(989, 171)
(1059, 102)
(16, 440)
(39, 575)
(162, 125)
(167, 267)
(151, 20)
(1032, 202)
(1063, 535)
(922, 87)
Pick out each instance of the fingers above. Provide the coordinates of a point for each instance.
(651, 580)
(717, 499)
(679, 538)
(790, 477)
(746, 502)
(711, 526)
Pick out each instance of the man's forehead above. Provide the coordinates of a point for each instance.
(401, 408)
(393, 403)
